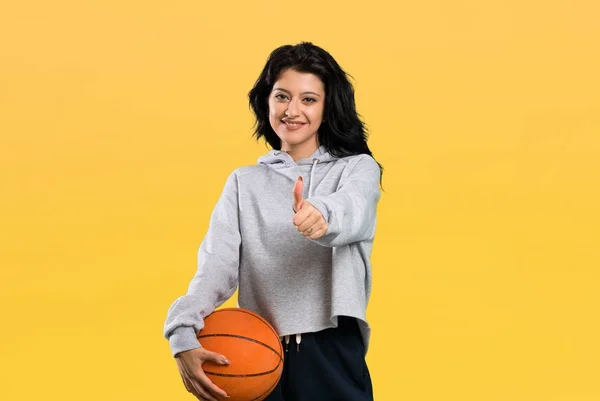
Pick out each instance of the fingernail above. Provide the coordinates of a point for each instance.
(225, 361)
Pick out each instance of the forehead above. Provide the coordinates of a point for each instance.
(299, 81)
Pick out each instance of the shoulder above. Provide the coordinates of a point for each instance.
(361, 163)
(250, 170)
(244, 173)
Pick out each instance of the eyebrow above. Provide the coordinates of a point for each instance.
(303, 93)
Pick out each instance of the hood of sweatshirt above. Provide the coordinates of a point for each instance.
(283, 163)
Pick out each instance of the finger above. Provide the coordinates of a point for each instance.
(306, 210)
(188, 387)
(297, 193)
(312, 230)
(194, 388)
(200, 391)
(307, 215)
(214, 357)
(209, 385)
(319, 233)
(311, 222)
(203, 394)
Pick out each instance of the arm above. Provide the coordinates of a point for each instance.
(350, 212)
(216, 278)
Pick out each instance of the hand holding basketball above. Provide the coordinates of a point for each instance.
(308, 220)
(195, 380)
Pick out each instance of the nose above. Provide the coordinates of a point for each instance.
(292, 109)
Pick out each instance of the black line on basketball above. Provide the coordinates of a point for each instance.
(242, 338)
(262, 319)
(243, 375)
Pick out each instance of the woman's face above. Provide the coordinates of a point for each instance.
(296, 106)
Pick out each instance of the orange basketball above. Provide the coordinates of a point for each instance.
(254, 351)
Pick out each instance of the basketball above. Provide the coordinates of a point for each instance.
(254, 351)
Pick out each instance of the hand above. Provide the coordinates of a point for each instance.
(195, 380)
(308, 220)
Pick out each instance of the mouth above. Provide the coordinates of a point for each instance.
(293, 125)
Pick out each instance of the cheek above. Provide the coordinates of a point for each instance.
(273, 112)
(318, 113)
(317, 116)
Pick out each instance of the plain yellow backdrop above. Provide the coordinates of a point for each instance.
(120, 120)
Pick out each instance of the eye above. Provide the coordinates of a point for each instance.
(311, 99)
(277, 96)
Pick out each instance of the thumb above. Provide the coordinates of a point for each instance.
(298, 187)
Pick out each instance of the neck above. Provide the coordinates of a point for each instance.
(300, 151)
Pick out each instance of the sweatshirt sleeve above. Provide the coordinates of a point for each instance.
(216, 277)
(350, 212)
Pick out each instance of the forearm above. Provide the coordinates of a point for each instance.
(351, 211)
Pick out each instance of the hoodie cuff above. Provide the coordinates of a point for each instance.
(183, 339)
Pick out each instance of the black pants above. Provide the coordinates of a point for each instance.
(328, 365)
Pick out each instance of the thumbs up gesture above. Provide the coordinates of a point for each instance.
(307, 218)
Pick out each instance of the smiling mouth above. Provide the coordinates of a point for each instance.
(292, 124)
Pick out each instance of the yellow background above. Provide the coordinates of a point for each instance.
(120, 120)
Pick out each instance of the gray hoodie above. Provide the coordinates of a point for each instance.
(299, 285)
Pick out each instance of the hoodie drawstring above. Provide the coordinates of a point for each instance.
(298, 340)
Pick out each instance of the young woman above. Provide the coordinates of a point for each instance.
(294, 233)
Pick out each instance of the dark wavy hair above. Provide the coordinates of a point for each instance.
(342, 131)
